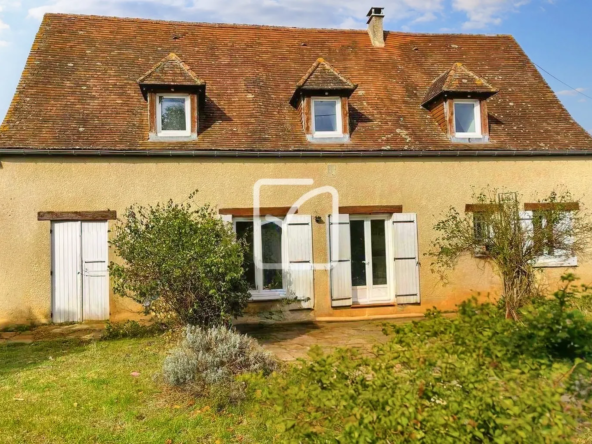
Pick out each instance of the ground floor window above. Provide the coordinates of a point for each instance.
(263, 264)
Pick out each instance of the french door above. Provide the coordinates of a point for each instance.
(369, 239)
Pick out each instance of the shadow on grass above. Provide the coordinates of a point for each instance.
(17, 357)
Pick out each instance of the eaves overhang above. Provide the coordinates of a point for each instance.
(10, 152)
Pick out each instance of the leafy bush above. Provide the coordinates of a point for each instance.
(462, 380)
(209, 359)
(552, 328)
(131, 329)
(180, 261)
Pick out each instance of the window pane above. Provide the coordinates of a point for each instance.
(244, 230)
(358, 253)
(325, 115)
(271, 239)
(173, 114)
(377, 228)
(464, 116)
(544, 238)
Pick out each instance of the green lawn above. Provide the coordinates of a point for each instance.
(70, 391)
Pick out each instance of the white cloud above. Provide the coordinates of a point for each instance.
(571, 92)
(312, 13)
(483, 13)
(4, 43)
(332, 13)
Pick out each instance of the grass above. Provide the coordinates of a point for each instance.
(76, 392)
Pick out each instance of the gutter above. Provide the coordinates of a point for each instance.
(291, 154)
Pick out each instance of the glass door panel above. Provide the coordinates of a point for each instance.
(378, 234)
(358, 253)
(271, 245)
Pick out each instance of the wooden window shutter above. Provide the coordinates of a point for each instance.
(406, 258)
(340, 254)
(299, 272)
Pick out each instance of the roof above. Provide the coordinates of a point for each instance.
(459, 79)
(322, 76)
(79, 88)
(170, 71)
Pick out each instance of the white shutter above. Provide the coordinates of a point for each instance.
(66, 304)
(340, 253)
(299, 272)
(406, 258)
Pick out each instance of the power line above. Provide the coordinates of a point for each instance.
(561, 81)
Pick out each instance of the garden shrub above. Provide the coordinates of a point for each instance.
(181, 262)
(131, 329)
(462, 380)
(208, 360)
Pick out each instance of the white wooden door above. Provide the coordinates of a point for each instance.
(66, 272)
(80, 279)
(95, 274)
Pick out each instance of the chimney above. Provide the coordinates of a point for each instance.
(375, 26)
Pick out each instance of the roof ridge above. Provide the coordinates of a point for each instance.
(262, 26)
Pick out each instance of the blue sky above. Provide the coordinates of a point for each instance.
(556, 34)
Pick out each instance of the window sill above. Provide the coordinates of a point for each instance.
(267, 295)
(475, 139)
(556, 262)
(158, 138)
(377, 305)
(331, 139)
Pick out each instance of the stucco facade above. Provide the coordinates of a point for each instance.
(425, 186)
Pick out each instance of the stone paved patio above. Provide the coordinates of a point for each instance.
(290, 342)
(86, 331)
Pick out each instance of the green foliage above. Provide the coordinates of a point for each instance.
(131, 329)
(552, 328)
(181, 262)
(495, 233)
(208, 360)
(474, 378)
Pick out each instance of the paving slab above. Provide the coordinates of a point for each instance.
(293, 341)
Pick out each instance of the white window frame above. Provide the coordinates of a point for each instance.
(477, 110)
(169, 133)
(260, 294)
(338, 119)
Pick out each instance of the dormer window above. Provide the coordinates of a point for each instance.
(173, 115)
(327, 120)
(467, 118)
(457, 101)
(174, 95)
(322, 97)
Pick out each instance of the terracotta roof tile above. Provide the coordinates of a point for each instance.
(79, 88)
(322, 76)
(459, 79)
(170, 71)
